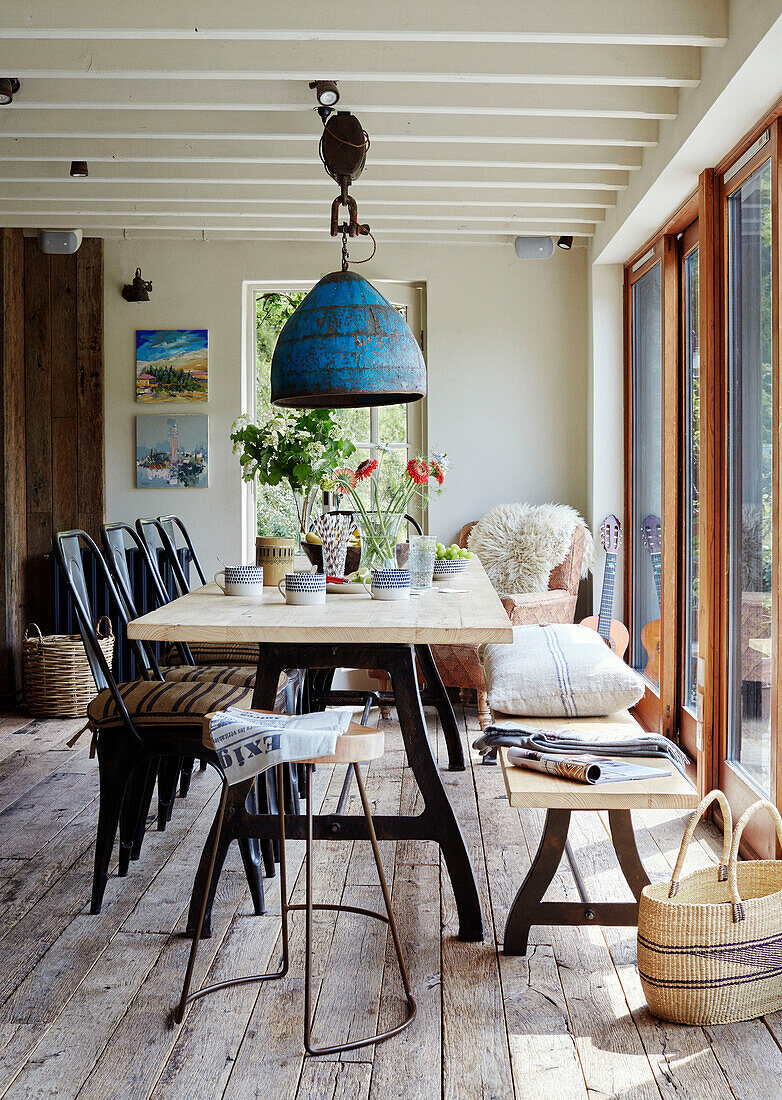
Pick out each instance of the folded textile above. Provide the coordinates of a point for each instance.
(565, 741)
(248, 743)
(582, 769)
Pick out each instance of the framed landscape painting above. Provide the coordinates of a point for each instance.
(172, 364)
(172, 452)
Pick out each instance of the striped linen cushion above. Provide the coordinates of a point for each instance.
(217, 653)
(161, 703)
(241, 676)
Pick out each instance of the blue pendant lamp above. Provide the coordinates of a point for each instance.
(346, 346)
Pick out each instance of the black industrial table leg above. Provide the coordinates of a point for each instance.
(437, 822)
(436, 696)
(528, 906)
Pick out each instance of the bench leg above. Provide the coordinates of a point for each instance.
(623, 836)
(525, 909)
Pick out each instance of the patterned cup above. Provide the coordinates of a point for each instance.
(303, 589)
(241, 580)
(389, 584)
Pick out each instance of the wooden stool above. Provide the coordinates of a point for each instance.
(359, 744)
(560, 797)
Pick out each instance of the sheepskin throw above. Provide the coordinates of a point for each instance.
(519, 544)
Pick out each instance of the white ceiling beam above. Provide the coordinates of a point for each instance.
(368, 98)
(288, 217)
(288, 127)
(500, 63)
(308, 205)
(662, 22)
(276, 182)
(400, 193)
(421, 202)
(48, 154)
(165, 221)
(246, 235)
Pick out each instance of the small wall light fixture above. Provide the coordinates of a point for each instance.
(138, 290)
(79, 168)
(565, 242)
(9, 86)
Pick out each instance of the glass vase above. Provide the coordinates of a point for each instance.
(379, 532)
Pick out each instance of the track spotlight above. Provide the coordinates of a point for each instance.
(9, 86)
(565, 242)
(326, 92)
(79, 168)
(138, 290)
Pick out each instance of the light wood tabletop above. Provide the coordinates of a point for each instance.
(463, 609)
(536, 790)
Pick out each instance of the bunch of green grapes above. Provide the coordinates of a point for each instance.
(452, 552)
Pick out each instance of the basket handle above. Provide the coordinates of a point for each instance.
(109, 632)
(37, 629)
(735, 896)
(727, 828)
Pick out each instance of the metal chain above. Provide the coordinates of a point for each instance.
(345, 260)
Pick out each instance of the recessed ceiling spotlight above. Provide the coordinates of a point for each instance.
(326, 92)
(565, 242)
(9, 86)
(79, 168)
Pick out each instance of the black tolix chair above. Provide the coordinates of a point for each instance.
(136, 724)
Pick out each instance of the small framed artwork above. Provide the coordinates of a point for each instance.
(172, 452)
(172, 364)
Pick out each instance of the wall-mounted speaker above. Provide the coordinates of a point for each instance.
(534, 248)
(59, 242)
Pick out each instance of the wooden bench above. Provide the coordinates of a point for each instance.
(560, 797)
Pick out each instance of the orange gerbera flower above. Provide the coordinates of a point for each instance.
(365, 469)
(418, 471)
(343, 479)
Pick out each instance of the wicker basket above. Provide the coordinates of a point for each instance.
(58, 681)
(709, 945)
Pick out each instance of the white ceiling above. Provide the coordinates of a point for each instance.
(487, 120)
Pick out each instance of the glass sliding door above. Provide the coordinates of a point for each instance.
(750, 454)
(690, 373)
(646, 506)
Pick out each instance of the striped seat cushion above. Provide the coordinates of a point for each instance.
(161, 703)
(241, 676)
(217, 653)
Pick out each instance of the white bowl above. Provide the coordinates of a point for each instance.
(449, 567)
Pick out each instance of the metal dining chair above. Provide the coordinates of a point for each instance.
(136, 724)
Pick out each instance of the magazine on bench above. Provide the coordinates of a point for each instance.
(582, 768)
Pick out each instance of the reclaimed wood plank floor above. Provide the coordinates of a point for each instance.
(84, 1000)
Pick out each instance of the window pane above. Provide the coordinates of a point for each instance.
(392, 423)
(750, 475)
(647, 472)
(275, 507)
(692, 423)
(355, 425)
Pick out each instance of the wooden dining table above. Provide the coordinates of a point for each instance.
(351, 630)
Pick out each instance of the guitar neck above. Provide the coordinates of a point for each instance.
(657, 573)
(607, 598)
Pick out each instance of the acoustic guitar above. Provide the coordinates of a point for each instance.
(650, 635)
(613, 633)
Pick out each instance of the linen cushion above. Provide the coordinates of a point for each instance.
(558, 670)
(217, 653)
(241, 676)
(161, 703)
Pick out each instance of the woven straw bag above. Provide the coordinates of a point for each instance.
(710, 945)
(58, 681)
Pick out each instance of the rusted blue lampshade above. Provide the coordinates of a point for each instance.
(346, 346)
